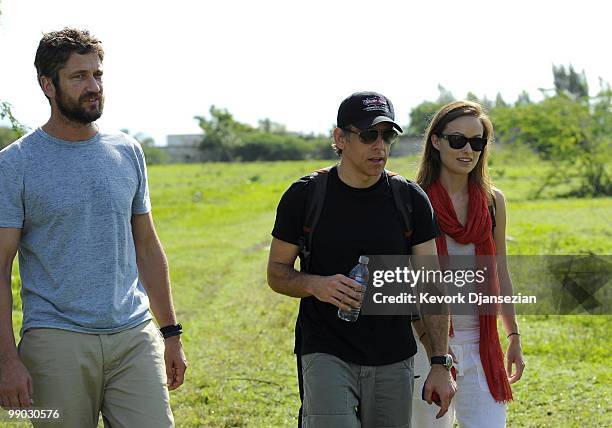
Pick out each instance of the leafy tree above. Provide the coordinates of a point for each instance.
(596, 159)
(570, 83)
(470, 96)
(153, 154)
(226, 139)
(523, 99)
(266, 125)
(421, 115)
(487, 104)
(445, 96)
(499, 101)
(5, 113)
(267, 146)
(569, 132)
(222, 134)
(554, 127)
(7, 136)
(602, 110)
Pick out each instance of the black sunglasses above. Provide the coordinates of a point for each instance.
(369, 136)
(457, 141)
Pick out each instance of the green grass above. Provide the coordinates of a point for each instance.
(215, 221)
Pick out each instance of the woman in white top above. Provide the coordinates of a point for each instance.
(453, 171)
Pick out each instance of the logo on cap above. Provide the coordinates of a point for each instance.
(375, 100)
(375, 104)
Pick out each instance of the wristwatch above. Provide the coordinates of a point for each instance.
(171, 330)
(444, 360)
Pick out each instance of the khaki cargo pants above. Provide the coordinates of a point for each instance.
(121, 375)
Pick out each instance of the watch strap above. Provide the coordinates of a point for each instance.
(444, 360)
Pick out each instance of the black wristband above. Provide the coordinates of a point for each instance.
(171, 330)
(512, 334)
(173, 333)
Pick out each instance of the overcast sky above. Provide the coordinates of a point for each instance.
(294, 61)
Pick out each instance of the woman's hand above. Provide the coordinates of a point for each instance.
(514, 355)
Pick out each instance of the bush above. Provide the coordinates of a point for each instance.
(155, 155)
(566, 131)
(7, 136)
(263, 146)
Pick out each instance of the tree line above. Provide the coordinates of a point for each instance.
(567, 127)
(226, 139)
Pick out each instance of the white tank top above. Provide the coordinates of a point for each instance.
(466, 328)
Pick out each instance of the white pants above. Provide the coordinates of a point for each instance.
(472, 407)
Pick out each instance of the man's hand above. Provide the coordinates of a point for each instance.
(15, 385)
(514, 355)
(440, 382)
(339, 290)
(176, 363)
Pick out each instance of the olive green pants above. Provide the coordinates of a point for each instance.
(338, 394)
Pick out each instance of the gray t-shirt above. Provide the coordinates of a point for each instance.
(73, 202)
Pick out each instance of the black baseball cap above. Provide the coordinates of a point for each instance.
(365, 109)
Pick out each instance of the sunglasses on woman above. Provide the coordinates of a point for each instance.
(369, 136)
(457, 141)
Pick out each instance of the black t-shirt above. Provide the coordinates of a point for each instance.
(353, 222)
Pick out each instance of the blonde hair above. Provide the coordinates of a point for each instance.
(430, 163)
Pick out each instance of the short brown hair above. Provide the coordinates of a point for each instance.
(56, 47)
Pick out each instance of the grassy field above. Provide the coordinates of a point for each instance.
(215, 221)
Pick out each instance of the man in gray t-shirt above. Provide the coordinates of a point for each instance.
(74, 201)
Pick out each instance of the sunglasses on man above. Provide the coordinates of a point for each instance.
(369, 136)
(458, 141)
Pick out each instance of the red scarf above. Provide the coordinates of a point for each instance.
(477, 231)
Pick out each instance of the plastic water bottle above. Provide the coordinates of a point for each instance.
(361, 274)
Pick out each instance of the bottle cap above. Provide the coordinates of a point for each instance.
(364, 259)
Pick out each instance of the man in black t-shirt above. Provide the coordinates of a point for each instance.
(356, 373)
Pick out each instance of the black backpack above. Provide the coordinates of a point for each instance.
(315, 198)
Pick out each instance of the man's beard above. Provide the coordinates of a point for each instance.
(74, 111)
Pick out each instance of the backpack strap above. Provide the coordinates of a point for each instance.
(403, 200)
(400, 187)
(315, 198)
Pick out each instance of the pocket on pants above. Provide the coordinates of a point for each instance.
(308, 360)
(326, 385)
(157, 338)
(482, 377)
(36, 353)
(408, 364)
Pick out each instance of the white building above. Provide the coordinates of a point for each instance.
(184, 148)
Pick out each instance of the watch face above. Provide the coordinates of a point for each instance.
(449, 361)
